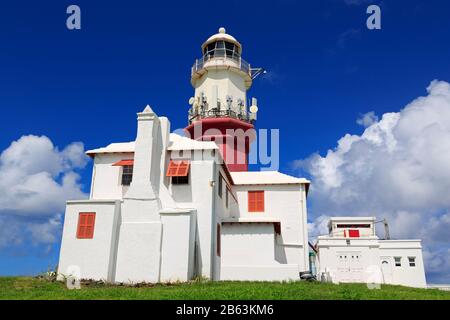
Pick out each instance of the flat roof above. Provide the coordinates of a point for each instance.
(176, 143)
(265, 178)
(121, 147)
(353, 219)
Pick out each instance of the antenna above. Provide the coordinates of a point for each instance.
(387, 236)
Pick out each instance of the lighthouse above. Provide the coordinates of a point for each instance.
(220, 110)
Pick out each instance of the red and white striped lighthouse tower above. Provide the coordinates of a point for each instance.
(220, 112)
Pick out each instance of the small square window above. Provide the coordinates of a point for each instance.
(412, 261)
(180, 180)
(398, 261)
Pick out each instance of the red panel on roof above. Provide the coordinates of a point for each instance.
(121, 163)
(353, 233)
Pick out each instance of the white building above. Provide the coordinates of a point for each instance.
(166, 207)
(352, 252)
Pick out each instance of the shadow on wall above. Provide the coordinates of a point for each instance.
(182, 192)
(280, 251)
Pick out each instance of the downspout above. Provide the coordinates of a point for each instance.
(305, 228)
(213, 218)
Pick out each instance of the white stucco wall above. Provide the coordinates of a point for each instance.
(404, 275)
(106, 178)
(361, 260)
(95, 257)
(248, 253)
(286, 203)
(178, 244)
(228, 82)
(345, 262)
(198, 194)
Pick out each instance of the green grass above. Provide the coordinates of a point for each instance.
(20, 288)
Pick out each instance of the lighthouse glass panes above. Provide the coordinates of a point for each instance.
(127, 175)
(221, 49)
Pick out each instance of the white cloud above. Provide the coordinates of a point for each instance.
(35, 181)
(398, 168)
(367, 119)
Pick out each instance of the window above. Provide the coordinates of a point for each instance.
(180, 180)
(412, 261)
(218, 240)
(219, 189)
(127, 171)
(256, 201)
(346, 226)
(86, 223)
(127, 175)
(179, 171)
(398, 261)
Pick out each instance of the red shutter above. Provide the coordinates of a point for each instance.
(86, 223)
(121, 163)
(256, 201)
(178, 168)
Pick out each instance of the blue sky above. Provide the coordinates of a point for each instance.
(325, 70)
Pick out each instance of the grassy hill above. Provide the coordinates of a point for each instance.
(20, 288)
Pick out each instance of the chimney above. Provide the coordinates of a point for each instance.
(144, 168)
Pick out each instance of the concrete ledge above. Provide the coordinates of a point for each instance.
(93, 201)
(176, 211)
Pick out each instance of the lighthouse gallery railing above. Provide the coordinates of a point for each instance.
(220, 54)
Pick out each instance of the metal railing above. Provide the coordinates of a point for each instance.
(217, 113)
(221, 54)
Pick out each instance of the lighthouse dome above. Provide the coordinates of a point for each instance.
(222, 37)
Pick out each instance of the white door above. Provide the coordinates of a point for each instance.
(356, 270)
(386, 269)
(349, 267)
(343, 268)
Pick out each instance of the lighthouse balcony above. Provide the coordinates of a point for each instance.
(218, 113)
(220, 58)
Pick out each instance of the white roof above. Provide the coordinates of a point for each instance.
(178, 142)
(122, 147)
(265, 177)
(353, 219)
